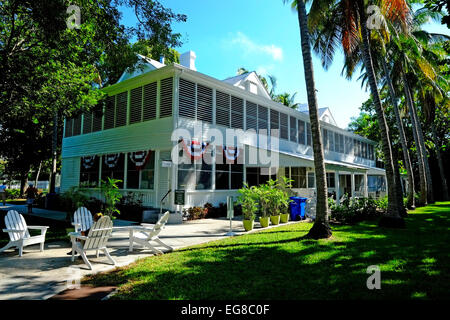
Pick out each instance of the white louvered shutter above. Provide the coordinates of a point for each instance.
(274, 122)
(186, 99)
(301, 132)
(77, 125)
(263, 119)
(69, 127)
(237, 113)
(149, 103)
(308, 134)
(204, 103)
(121, 109)
(293, 129)
(284, 126)
(87, 122)
(136, 105)
(109, 112)
(165, 107)
(251, 116)
(222, 109)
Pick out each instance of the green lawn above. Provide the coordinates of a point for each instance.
(277, 264)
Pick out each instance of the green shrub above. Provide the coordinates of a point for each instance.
(12, 193)
(353, 210)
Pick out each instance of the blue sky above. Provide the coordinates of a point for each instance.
(262, 35)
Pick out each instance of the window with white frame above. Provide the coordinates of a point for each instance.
(113, 166)
(141, 170)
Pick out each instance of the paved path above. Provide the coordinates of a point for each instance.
(40, 275)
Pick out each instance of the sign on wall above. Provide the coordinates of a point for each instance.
(179, 197)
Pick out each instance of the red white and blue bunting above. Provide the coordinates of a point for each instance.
(88, 162)
(231, 153)
(111, 160)
(140, 158)
(195, 149)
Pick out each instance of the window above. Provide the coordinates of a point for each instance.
(301, 132)
(251, 116)
(165, 106)
(77, 125)
(293, 129)
(308, 134)
(257, 176)
(222, 109)
(97, 118)
(113, 166)
(87, 122)
(359, 182)
(284, 126)
(89, 171)
(298, 175)
(237, 113)
(229, 176)
(121, 109)
(140, 171)
(109, 112)
(149, 103)
(274, 122)
(349, 146)
(195, 176)
(69, 127)
(136, 105)
(326, 140)
(204, 103)
(263, 116)
(311, 180)
(331, 183)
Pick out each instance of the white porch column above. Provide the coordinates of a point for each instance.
(353, 185)
(337, 186)
(366, 186)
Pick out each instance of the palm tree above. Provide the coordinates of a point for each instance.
(344, 23)
(321, 227)
(287, 99)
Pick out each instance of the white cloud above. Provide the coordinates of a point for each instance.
(250, 47)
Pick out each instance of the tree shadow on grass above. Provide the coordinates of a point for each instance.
(414, 263)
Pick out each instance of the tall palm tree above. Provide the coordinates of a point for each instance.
(321, 227)
(344, 23)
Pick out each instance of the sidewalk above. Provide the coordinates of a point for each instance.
(40, 275)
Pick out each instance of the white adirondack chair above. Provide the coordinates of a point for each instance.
(96, 240)
(17, 229)
(82, 219)
(145, 235)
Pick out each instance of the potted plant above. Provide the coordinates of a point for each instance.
(247, 199)
(275, 201)
(263, 194)
(285, 188)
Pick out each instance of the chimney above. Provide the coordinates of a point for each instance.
(161, 59)
(187, 60)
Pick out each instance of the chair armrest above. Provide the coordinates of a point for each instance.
(13, 230)
(38, 227)
(74, 235)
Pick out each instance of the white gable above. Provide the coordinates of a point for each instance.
(249, 82)
(324, 114)
(143, 65)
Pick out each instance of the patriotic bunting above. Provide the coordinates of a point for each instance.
(140, 158)
(112, 159)
(88, 162)
(195, 149)
(231, 153)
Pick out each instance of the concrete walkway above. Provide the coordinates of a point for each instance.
(40, 275)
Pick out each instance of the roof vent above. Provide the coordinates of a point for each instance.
(187, 60)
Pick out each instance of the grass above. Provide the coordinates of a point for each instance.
(278, 264)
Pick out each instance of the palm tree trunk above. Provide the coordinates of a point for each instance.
(406, 158)
(393, 217)
(426, 164)
(321, 228)
(441, 165)
(422, 177)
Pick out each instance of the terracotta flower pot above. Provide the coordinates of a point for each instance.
(275, 219)
(264, 222)
(248, 224)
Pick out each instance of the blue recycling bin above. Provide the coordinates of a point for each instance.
(297, 208)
